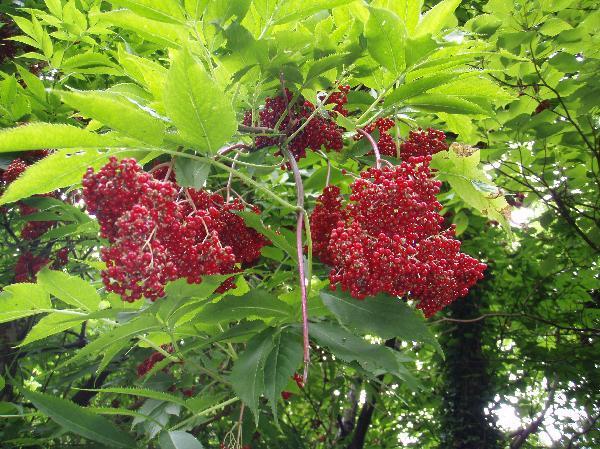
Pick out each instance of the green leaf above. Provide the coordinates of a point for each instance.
(140, 325)
(386, 39)
(178, 439)
(199, 109)
(163, 33)
(334, 61)
(39, 136)
(51, 324)
(247, 376)
(381, 315)
(408, 10)
(22, 300)
(281, 364)
(142, 392)
(70, 289)
(61, 169)
(417, 87)
(444, 103)
(434, 20)
(163, 10)
(191, 172)
(254, 221)
(117, 112)
(460, 167)
(254, 305)
(79, 420)
(352, 348)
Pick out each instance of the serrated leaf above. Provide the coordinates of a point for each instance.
(334, 61)
(256, 304)
(444, 103)
(381, 315)
(408, 10)
(39, 136)
(200, 110)
(281, 364)
(178, 439)
(417, 87)
(137, 326)
(163, 10)
(254, 221)
(22, 300)
(118, 113)
(61, 169)
(386, 39)
(70, 289)
(461, 169)
(163, 33)
(191, 172)
(434, 20)
(352, 348)
(51, 324)
(143, 392)
(247, 375)
(78, 420)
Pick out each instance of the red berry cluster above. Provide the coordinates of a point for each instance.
(385, 143)
(29, 263)
(146, 366)
(321, 131)
(324, 218)
(423, 143)
(391, 239)
(156, 235)
(339, 98)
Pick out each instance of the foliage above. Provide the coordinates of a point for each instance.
(226, 97)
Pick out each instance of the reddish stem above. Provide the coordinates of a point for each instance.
(300, 251)
(373, 145)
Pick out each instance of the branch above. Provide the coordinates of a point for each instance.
(373, 145)
(522, 435)
(300, 251)
(589, 425)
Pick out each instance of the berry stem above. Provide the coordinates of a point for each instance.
(373, 145)
(228, 169)
(257, 130)
(300, 251)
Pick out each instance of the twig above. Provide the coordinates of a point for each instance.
(300, 251)
(373, 145)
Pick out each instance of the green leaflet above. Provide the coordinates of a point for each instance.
(117, 112)
(459, 166)
(51, 324)
(281, 364)
(247, 376)
(61, 169)
(79, 420)
(22, 300)
(382, 315)
(70, 289)
(386, 39)
(194, 102)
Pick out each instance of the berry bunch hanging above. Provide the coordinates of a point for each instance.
(159, 232)
(423, 143)
(388, 238)
(385, 143)
(320, 133)
(32, 258)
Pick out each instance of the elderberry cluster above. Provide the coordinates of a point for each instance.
(320, 132)
(385, 143)
(29, 262)
(388, 238)
(423, 143)
(157, 235)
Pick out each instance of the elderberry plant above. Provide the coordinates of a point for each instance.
(249, 190)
